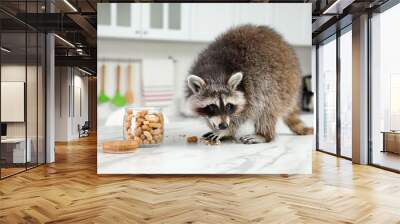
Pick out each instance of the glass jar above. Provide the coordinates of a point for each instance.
(145, 125)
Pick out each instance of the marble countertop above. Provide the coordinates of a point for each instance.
(287, 154)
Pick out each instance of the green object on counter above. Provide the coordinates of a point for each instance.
(118, 100)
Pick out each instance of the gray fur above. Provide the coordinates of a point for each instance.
(269, 85)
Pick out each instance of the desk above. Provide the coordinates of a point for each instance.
(16, 147)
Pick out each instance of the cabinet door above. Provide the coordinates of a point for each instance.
(165, 21)
(121, 20)
(253, 13)
(207, 21)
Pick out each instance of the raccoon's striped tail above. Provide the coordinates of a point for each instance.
(292, 120)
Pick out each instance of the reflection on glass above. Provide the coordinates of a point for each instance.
(327, 97)
(41, 99)
(13, 84)
(105, 11)
(156, 15)
(123, 14)
(22, 94)
(31, 98)
(346, 94)
(385, 84)
(174, 14)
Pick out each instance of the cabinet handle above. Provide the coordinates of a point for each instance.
(137, 31)
(145, 32)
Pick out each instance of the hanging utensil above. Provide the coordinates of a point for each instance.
(129, 96)
(118, 100)
(103, 98)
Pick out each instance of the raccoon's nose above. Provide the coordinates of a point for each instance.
(223, 126)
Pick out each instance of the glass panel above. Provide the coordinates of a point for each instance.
(31, 98)
(41, 98)
(13, 77)
(327, 97)
(156, 15)
(346, 94)
(385, 84)
(123, 14)
(174, 16)
(104, 9)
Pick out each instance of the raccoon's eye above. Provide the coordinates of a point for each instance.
(212, 108)
(209, 110)
(230, 108)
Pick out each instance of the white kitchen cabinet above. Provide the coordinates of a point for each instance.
(291, 21)
(165, 21)
(287, 19)
(201, 22)
(208, 21)
(120, 20)
(253, 13)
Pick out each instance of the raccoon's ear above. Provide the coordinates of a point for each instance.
(235, 80)
(195, 83)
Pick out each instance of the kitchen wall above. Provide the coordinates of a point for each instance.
(183, 52)
(71, 102)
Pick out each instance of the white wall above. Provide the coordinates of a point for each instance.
(66, 121)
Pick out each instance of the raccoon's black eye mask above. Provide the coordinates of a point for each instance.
(213, 110)
(209, 110)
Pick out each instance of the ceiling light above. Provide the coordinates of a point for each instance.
(84, 71)
(65, 41)
(5, 50)
(70, 5)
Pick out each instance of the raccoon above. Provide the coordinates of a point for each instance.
(249, 73)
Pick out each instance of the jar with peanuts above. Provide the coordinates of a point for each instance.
(145, 125)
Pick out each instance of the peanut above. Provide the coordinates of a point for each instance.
(148, 135)
(155, 125)
(152, 118)
(156, 131)
(138, 131)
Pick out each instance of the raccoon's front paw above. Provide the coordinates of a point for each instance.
(252, 139)
(212, 136)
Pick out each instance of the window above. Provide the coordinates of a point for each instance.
(385, 89)
(22, 77)
(346, 93)
(327, 96)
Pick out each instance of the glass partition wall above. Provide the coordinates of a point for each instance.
(327, 95)
(346, 95)
(22, 76)
(385, 90)
(334, 105)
